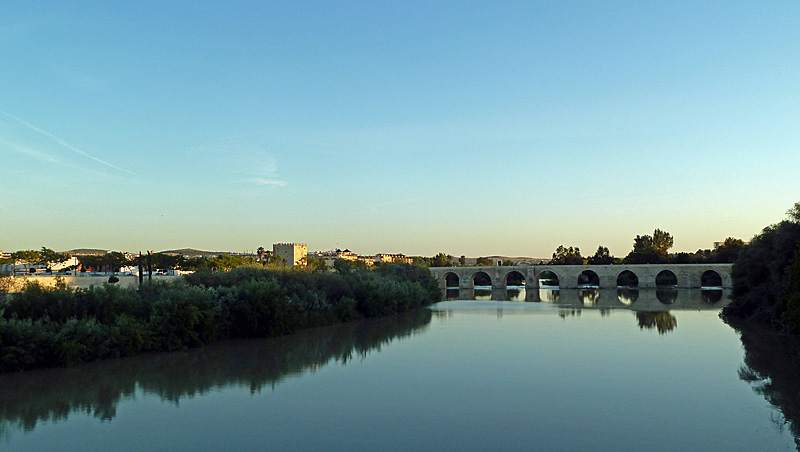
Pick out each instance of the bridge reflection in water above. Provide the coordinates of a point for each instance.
(657, 299)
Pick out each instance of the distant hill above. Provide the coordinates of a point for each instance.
(182, 252)
(194, 252)
(514, 259)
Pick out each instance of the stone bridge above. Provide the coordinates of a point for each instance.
(576, 276)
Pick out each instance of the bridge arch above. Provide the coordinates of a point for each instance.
(666, 278)
(451, 280)
(627, 278)
(549, 278)
(481, 278)
(588, 278)
(514, 278)
(710, 278)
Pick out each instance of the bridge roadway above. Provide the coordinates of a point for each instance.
(688, 276)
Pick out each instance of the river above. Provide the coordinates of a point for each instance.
(573, 372)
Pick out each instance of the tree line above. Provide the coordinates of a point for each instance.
(114, 261)
(47, 327)
(647, 249)
(650, 249)
(766, 277)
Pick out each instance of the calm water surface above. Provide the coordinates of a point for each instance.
(569, 374)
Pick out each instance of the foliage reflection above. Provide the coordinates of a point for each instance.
(50, 395)
(772, 368)
(661, 320)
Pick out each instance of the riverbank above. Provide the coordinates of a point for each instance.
(49, 327)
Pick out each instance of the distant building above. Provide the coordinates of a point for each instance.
(330, 256)
(292, 253)
(393, 258)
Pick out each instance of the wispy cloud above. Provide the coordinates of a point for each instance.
(63, 143)
(263, 169)
(262, 181)
(35, 153)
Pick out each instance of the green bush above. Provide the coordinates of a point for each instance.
(60, 326)
(184, 317)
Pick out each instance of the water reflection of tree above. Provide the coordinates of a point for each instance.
(662, 320)
(51, 395)
(627, 295)
(550, 296)
(589, 297)
(772, 367)
(567, 312)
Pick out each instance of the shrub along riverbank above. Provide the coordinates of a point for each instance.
(42, 327)
(766, 278)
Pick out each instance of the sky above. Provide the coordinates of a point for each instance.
(470, 128)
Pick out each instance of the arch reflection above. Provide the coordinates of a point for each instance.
(667, 295)
(627, 296)
(589, 297)
(711, 296)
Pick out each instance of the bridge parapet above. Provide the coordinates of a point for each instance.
(687, 276)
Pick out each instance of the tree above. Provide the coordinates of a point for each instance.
(728, 251)
(161, 261)
(196, 263)
(762, 277)
(658, 243)
(228, 261)
(794, 213)
(601, 257)
(90, 262)
(484, 261)
(650, 249)
(49, 257)
(345, 267)
(27, 257)
(662, 242)
(567, 256)
(420, 261)
(315, 264)
(114, 260)
(441, 260)
(260, 251)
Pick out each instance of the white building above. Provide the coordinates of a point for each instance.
(393, 258)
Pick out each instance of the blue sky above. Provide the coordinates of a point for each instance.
(416, 127)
